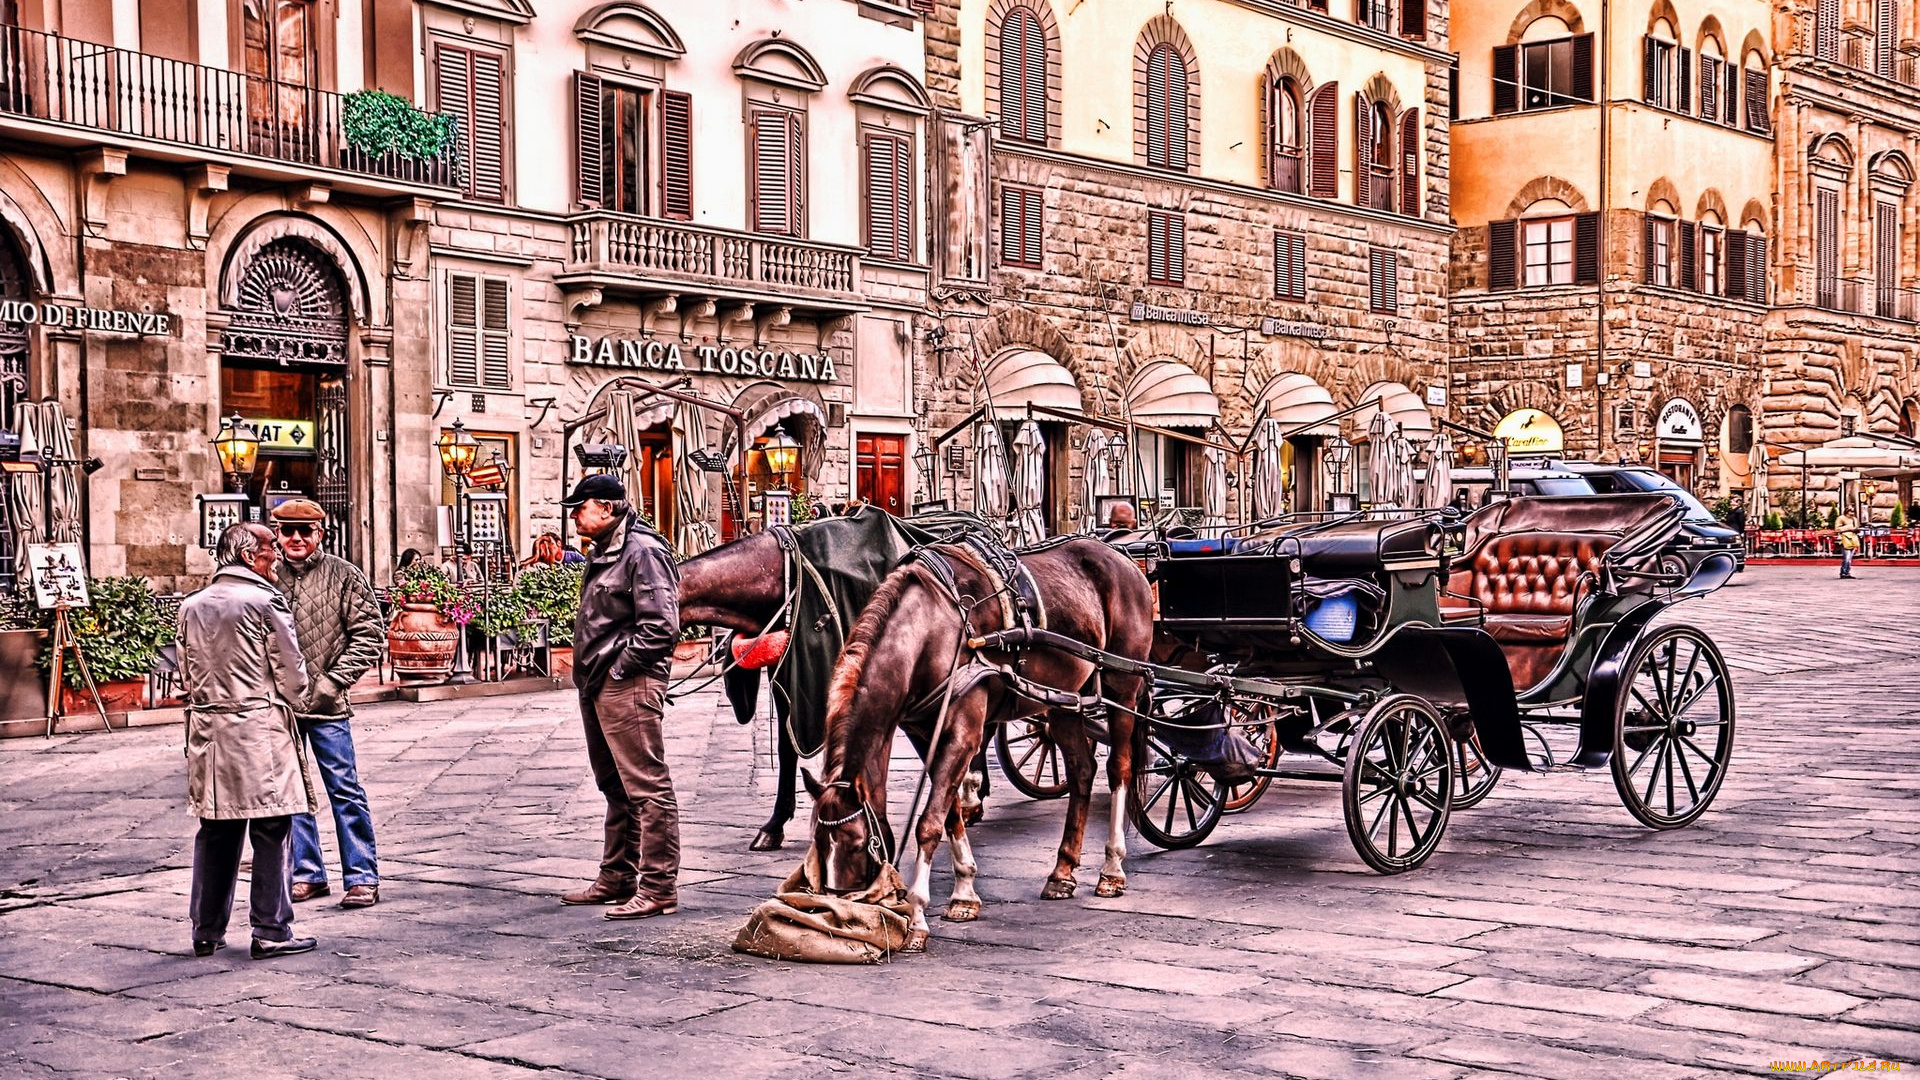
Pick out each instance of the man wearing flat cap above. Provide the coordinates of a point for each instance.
(337, 619)
(623, 641)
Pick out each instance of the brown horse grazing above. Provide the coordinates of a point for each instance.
(909, 641)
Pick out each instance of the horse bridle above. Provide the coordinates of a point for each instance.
(876, 841)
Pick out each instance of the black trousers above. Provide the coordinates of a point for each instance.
(216, 872)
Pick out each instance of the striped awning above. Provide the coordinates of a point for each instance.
(1402, 405)
(1167, 393)
(1293, 399)
(1021, 377)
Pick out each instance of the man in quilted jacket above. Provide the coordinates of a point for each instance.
(338, 622)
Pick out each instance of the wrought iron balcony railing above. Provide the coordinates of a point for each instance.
(696, 254)
(68, 81)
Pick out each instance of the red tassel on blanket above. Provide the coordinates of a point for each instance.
(758, 652)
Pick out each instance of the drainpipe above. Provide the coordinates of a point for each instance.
(1600, 287)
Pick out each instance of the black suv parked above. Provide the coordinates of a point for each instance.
(1701, 534)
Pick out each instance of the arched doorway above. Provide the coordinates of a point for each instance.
(284, 367)
(769, 412)
(1017, 379)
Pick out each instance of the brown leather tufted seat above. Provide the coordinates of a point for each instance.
(1527, 584)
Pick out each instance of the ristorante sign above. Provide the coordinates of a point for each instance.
(701, 359)
(75, 317)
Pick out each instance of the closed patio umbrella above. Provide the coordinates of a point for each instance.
(1214, 491)
(693, 524)
(1404, 453)
(1439, 483)
(989, 474)
(1381, 460)
(1029, 484)
(1095, 479)
(1269, 476)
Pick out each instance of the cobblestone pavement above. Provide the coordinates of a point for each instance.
(1550, 937)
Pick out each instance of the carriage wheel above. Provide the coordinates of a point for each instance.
(1031, 759)
(1261, 730)
(1673, 728)
(1173, 802)
(1473, 775)
(1398, 785)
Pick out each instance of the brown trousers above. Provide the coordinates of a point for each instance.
(626, 748)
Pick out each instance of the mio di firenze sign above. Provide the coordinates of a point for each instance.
(701, 359)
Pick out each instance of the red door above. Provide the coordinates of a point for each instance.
(881, 478)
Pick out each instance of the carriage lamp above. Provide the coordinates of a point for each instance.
(238, 445)
(782, 455)
(458, 451)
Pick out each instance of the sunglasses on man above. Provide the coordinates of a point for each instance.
(296, 529)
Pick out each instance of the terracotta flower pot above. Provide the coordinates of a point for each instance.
(421, 643)
(118, 697)
(562, 661)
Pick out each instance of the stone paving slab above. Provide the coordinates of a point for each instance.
(1550, 937)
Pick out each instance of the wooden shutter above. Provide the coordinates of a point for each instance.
(488, 176)
(774, 174)
(1410, 163)
(1646, 249)
(1683, 82)
(453, 85)
(1884, 31)
(1413, 19)
(1270, 126)
(1757, 269)
(1709, 88)
(1506, 78)
(1886, 257)
(1737, 264)
(889, 197)
(1503, 254)
(1166, 248)
(1586, 249)
(588, 150)
(1323, 179)
(1021, 212)
(1023, 77)
(1759, 109)
(1362, 152)
(1730, 93)
(1289, 265)
(1649, 84)
(463, 330)
(676, 155)
(1582, 67)
(1826, 29)
(1689, 261)
(1826, 246)
(1383, 281)
(1167, 133)
(496, 335)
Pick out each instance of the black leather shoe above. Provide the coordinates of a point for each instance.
(207, 948)
(264, 949)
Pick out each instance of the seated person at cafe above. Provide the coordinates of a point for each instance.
(1121, 515)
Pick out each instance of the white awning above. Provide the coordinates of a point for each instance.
(651, 412)
(762, 421)
(1167, 393)
(1021, 377)
(1853, 452)
(1294, 399)
(1402, 405)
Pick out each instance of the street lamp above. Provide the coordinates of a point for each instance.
(1497, 460)
(458, 451)
(782, 455)
(238, 445)
(1339, 451)
(1868, 489)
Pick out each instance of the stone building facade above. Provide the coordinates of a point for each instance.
(1611, 271)
(222, 248)
(1198, 221)
(1842, 347)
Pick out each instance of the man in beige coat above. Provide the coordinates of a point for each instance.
(242, 672)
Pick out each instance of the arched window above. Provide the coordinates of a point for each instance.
(1739, 430)
(1374, 157)
(1167, 133)
(1286, 136)
(1023, 77)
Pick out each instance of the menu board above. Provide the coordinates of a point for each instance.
(59, 574)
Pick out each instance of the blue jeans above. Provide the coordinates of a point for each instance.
(1846, 562)
(332, 743)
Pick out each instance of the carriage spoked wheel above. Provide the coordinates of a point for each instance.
(1397, 793)
(1673, 728)
(1172, 801)
(1031, 759)
(1473, 775)
(1257, 724)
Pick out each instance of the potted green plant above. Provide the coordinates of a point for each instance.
(119, 634)
(429, 611)
(1898, 518)
(551, 592)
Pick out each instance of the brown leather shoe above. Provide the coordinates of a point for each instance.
(307, 890)
(600, 892)
(645, 907)
(361, 896)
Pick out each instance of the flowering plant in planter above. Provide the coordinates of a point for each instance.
(429, 586)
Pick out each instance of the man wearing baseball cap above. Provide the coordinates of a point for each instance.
(337, 619)
(623, 641)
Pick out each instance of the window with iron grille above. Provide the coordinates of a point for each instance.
(1285, 128)
(1383, 281)
(1022, 217)
(1289, 265)
(479, 332)
(1166, 248)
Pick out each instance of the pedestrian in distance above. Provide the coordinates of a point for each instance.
(623, 637)
(242, 672)
(338, 620)
(1846, 533)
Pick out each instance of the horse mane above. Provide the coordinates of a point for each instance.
(852, 665)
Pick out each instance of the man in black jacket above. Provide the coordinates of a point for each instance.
(623, 643)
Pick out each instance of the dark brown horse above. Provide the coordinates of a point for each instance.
(909, 641)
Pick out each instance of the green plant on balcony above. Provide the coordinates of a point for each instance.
(376, 122)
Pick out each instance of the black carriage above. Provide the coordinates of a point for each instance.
(1413, 658)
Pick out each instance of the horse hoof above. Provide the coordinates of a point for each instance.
(962, 910)
(767, 840)
(1111, 886)
(916, 942)
(1059, 890)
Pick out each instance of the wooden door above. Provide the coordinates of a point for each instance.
(882, 472)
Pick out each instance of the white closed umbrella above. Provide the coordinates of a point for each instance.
(1096, 479)
(1029, 484)
(1214, 491)
(1269, 475)
(1404, 453)
(1380, 460)
(1757, 463)
(990, 474)
(1439, 485)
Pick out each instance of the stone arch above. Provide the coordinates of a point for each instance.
(239, 254)
(1381, 89)
(1286, 64)
(635, 27)
(1542, 9)
(1277, 358)
(1158, 341)
(1042, 12)
(1755, 212)
(1663, 11)
(1375, 364)
(1755, 44)
(1520, 394)
(1020, 328)
(1165, 30)
(780, 61)
(1832, 148)
(1710, 203)
(1663, 191)
(1546, 187)
(26, 213)
(1711, 30)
